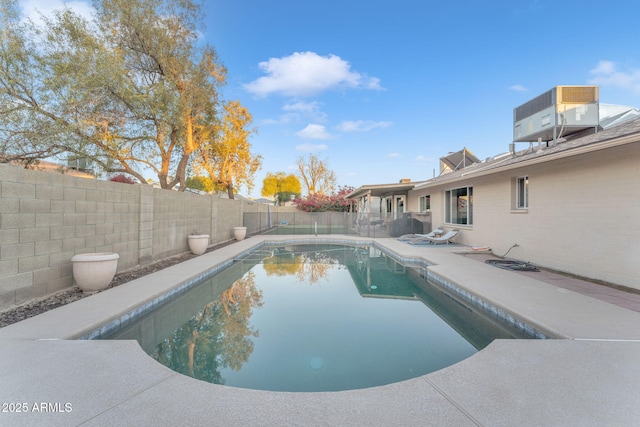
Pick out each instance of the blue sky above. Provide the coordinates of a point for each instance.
(384, 89)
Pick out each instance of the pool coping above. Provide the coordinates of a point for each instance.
(522, 372)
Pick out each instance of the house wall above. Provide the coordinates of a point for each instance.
(46, 218)
(582, 215)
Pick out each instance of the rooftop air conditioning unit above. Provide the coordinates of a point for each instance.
(559, 112)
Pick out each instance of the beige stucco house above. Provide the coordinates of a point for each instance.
(572, 205)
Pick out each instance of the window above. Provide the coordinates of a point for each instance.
(459, 206)
(425, 203)
(522, 192)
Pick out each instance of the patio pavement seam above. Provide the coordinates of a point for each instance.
(138, 393)
(452, 401)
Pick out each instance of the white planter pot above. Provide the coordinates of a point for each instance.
(93, 272)
(198, 243)
(239, 232)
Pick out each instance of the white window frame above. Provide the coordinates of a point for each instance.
(522, 186)
(449, 212)
(424, 203)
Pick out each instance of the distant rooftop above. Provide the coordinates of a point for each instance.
(613, 115)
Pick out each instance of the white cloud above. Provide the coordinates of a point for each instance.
(313, 131)
(518, 88)
(361, 125)
(310, 110)
(296, 111)
(423, 159)
(282, 120)
(394, 155)
(604, 68)
(33, 8)
(307, 74)
(305, 107)
(311, 148)
(606, 73)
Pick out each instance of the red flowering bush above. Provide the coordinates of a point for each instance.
(123, 178)
(323, 203)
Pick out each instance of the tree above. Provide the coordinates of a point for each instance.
(281, 187)
(327, 203)
(122, 178)
(201, 183)
(221, 330)
(316, 175)
(131, 90)
(226, 153)
(308, 267)
(30, 125)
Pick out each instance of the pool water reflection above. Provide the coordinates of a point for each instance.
(313, 318)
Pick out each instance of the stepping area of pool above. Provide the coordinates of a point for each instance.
(589, 376)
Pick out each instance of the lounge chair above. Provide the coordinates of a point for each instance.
(412, 236)
(445, 238)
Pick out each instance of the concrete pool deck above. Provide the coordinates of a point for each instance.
(591, 377)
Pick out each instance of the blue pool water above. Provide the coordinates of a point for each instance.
(313, 318)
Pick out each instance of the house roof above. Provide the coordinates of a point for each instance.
(46, 166)
(613, 115)
(624, 133)
(383, 190)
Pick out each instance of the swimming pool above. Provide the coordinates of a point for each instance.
(314, 318)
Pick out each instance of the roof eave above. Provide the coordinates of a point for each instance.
(387, 189)
(602, 145)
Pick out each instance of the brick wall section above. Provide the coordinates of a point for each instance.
(47, 218)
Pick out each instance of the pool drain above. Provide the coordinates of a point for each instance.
(316, 363)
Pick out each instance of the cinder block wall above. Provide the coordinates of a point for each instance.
(47, 218)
